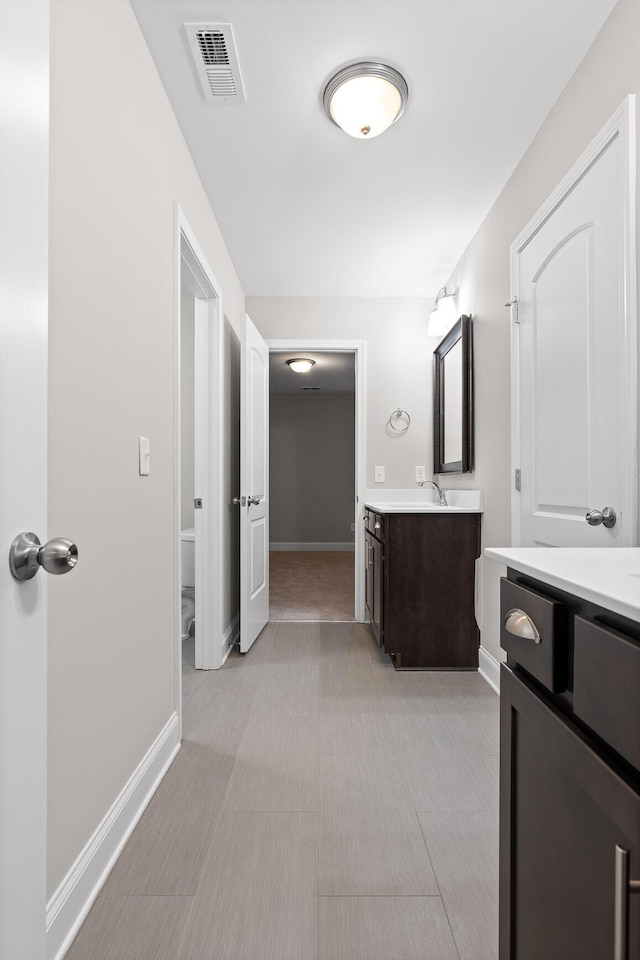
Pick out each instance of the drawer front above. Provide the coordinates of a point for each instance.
(374, 523)
(606, 685)
(543, 654)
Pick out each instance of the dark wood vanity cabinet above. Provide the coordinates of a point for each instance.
(420, 584)
(569, 781)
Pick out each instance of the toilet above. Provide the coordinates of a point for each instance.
(188, 555)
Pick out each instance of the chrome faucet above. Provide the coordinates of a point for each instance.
(442, 499)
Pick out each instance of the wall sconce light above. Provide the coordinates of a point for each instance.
(301, 364)
(444, 314)
(364, 99)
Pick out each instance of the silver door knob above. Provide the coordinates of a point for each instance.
(606, 517)
(27, 555)
(240, 501)
(253, 501)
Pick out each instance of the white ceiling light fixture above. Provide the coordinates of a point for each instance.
(301, 364)
(444, 314)
(364, 99)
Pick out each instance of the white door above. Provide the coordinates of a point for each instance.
(254, 483)
(575, 405)
(24, 165)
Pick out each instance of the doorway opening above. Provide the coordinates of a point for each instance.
(315, 434)
(198, 463)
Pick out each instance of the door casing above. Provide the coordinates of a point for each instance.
(192, 271)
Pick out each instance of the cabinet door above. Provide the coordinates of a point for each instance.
(378, 586)
(563, 811)
(368, 575)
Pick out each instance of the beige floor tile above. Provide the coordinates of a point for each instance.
(346, 680)
(358, 784)
(276, 767)
(453, 737)
(385, 928)
(284, 644)
(284, 691)
(164, 854)
(216, 714)
(492, 763)
(257, 898)
(373, 853)
(356, 735)
(464, 852)
(449, 783)
(131, 928)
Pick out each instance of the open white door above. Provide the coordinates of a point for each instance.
(254, 483)
(573, 274)
(24, 212)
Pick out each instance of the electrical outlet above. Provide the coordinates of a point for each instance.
(421, 474)
(378, 474)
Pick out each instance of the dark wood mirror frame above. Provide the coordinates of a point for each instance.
(460, 332)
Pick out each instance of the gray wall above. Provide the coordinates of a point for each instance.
(187, 408)
(311, 467)
(118, 164)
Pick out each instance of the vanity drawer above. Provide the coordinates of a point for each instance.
(374, 524)
(606, 682)
(538, 644)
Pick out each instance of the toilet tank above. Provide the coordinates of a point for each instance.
(188, 554)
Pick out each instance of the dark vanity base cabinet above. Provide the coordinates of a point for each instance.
(428, 595)
(563, 811)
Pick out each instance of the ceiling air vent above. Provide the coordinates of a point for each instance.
(216, 61)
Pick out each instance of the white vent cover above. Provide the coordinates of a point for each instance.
(214, 54)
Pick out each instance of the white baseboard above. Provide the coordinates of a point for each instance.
(489, 669)
(74, 897)
(231, 637)
(350, 546)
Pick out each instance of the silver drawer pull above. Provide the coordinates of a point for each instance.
(623, 887)
(520, 624)
(377, 526)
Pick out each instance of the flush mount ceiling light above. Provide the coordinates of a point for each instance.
(365, 98)
(443, 316)
(301, 364)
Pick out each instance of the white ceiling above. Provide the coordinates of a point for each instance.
(308, 211)
(333, 373)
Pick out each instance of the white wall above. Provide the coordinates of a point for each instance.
(118, 163)
(610, 71)
(187, 408)
(312, 467)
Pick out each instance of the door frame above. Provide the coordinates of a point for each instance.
(623, 125)
(192, 270)
(358, 349)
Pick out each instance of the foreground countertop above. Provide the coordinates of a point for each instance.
(609, 577)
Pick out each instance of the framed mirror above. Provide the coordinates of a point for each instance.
(453, 401)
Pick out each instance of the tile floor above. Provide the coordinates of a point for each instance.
(323, 807)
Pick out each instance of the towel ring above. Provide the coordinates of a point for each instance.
(400, 417)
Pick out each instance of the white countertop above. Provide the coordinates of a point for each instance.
(609, 577)
(423, 501)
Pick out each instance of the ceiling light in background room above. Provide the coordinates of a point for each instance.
(444, 314)
(301, 364)
(364, 99)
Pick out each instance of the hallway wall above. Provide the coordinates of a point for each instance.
(118, 163)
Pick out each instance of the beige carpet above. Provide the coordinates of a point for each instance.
(311, 586)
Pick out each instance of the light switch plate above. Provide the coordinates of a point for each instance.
(421, 474)
(378, 474)
(144, 450)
